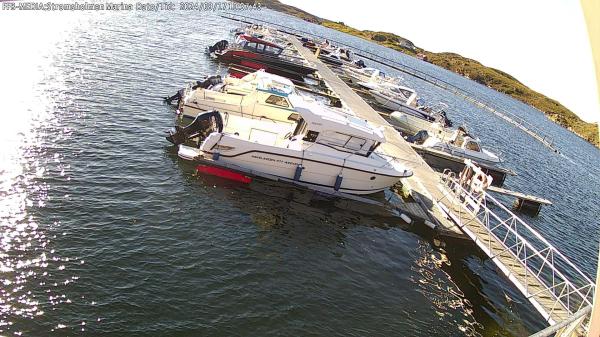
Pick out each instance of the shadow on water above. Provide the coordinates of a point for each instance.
(491, 305)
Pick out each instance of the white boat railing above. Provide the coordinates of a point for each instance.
(543, 263)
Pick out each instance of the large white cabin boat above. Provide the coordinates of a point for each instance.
(317, 147)
(256, 95)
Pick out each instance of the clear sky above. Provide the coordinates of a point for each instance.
(543, 43)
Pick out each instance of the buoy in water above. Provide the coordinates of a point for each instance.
(223, 173)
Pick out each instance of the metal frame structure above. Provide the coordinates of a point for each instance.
(547, 271)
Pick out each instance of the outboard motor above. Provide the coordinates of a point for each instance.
(203, 125)
(447, 122)
(219, 46)
(419, 137)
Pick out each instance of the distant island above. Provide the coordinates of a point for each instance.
(474, 70)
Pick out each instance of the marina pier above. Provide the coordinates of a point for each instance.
(556, 288)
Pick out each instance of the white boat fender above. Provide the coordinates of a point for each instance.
(338, 182)
(430, 224)
(406, 218)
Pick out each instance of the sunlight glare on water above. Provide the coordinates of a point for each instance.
(31, 92)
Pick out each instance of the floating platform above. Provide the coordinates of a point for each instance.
(524, 203)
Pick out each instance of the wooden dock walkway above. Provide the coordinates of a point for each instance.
(451, 216)
(424, 180)
(507, 259)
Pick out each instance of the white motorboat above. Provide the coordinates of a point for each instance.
(411, 124)
(463, 145)
(408, 115)
(369, 77)
(318, 148)
(258, 94)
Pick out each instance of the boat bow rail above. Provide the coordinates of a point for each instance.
(551, 282)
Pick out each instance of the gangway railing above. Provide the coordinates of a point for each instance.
(510, 117)
(556, 286)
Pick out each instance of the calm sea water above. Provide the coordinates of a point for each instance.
(105, 232)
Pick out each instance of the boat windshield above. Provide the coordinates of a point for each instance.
(472, 145)
(405, 93)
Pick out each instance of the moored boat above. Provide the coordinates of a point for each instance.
(394, 97)
(370, 78)
(460, 144)
(410, 125)
(318, 148)
(253, 52)
(258, 94)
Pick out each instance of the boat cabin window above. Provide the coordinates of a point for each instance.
(403, 92)
(355, 143)
(277, 100)
(335, 138)
(472, 146)
(251, 45)
(294, 117)
(272, 50)
(300, 127)
(311, 136)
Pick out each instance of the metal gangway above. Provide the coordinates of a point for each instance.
(509, 117)
(556, 287)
